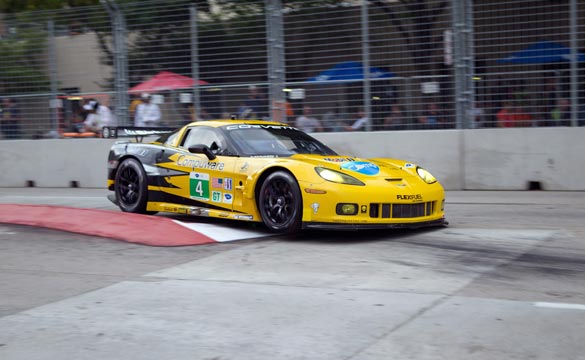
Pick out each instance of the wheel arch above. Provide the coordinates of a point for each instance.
(263, 177)
(295, 221)
(120, 161)
(135, 196)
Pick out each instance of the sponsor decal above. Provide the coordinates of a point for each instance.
(417, 197)
(216, 196)
(408, 165)
(315, 207)
(248, 126)
(195, 163)
(362, 167)
(244, 167)
(337, 160)
(227, 184)
(216, 183)
(228, 198)
(199, 186)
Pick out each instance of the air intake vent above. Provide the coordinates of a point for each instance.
(402, 211)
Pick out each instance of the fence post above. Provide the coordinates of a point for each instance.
(120, 60)
(574, 63)
(195, 61)
(53, 101)
(464, 61)
(367, 97)
(276, 61)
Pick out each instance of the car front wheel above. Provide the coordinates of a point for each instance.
(280, 203)
(131, 187)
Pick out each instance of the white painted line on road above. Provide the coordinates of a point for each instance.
(560, 306)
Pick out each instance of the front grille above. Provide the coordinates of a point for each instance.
(401, 211)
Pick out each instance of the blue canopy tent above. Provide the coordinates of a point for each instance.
(348, 72)
(346, 78)
(543, 52)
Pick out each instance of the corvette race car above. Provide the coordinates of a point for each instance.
(268, 172)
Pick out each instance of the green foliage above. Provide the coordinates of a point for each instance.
(20, 70)
(15, 6)
(238, 6)
(152, 36)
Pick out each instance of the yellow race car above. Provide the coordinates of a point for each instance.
(267, 172)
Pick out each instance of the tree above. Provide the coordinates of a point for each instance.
(20, 72)
(15, 6)
(416, 23)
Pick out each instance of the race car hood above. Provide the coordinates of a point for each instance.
(362, 168)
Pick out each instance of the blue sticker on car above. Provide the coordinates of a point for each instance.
(361, 167)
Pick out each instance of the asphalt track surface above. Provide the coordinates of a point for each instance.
(505, 280)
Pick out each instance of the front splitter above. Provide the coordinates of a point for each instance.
(355, 227)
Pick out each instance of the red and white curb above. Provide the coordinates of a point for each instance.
(133, 228)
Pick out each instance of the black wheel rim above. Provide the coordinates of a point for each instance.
(279, 202)
(129, 184)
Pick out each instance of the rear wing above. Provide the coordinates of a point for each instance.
(137, 132)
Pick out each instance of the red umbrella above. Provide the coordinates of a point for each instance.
(166, 80)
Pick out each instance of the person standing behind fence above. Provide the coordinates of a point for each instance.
(136, 100)
(332, 120)
(147, 113)
(98, 116)
(433, 118)
(307, 122)
(505, 116)
(257, 103)
(561, 114)
(521, 117)
(360, 123)
(395, 119)
(10, 120)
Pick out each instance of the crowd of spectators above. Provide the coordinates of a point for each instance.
(511, 108)
(10, 119)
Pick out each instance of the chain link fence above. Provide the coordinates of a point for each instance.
(401, 65)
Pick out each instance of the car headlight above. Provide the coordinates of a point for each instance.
(425, 175)
(337, 177)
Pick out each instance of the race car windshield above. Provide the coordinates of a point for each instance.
(282, 141)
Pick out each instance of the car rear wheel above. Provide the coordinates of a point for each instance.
(280, 203)
(131, 187)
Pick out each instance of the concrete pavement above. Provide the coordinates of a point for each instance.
(505, 280)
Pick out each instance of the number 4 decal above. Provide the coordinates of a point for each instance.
(199, 186)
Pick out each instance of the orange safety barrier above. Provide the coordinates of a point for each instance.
(87, 134)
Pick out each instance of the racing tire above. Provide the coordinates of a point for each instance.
(131, 187)
(280, 203)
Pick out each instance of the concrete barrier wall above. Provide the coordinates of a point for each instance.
(483, 159)
(54, 163)
(506, 159)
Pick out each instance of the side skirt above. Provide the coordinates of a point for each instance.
(198, 211)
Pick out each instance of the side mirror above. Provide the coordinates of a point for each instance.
(202, 149)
